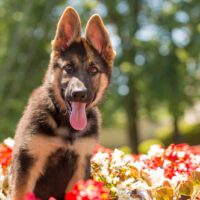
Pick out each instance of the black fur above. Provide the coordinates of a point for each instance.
(60, 167)
(88, 167)
(26, 161)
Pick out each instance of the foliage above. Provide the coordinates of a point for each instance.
(125, 149)
(190, 134)
(28, 29)
(145, 145)
(157, 62)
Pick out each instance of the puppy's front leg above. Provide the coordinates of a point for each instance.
(24, 170)
(18, 188)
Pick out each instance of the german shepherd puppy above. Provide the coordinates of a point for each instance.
(58, 131)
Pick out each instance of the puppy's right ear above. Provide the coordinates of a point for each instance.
(68, 30)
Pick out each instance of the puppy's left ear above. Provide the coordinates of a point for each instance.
(98, 37)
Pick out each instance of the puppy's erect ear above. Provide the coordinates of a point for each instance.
(98, 37)
(68, 30)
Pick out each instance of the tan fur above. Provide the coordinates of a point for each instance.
(61, 62)
(40, 148)
(103, 86)
(52, 122)
(83, 147)
(62, 131)
(17, 193)
(56, 85)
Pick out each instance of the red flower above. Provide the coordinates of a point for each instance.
(101, 149)
(5, 156)
(89, 190)
(175, 159)
(30, 196)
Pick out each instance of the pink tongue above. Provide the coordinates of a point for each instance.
(78, 119)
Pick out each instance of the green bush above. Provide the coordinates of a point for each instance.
(145, 145)
(189, 133)
(125, 149)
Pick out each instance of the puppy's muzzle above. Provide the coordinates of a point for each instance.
(79, 95)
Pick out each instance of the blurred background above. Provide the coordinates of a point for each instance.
(154, 96)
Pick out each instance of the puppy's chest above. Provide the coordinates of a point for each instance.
(43, 148)
(60, 163)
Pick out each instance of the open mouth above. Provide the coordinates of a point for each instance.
(76, 111)
(77, 114)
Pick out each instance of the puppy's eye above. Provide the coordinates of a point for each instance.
(93, 70)
(69, 68)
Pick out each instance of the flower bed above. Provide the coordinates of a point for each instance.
(163, 174)
(172, 173)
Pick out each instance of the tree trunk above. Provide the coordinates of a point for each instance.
(128, 55)
(176, 135)
(132, 109)
(132, 118)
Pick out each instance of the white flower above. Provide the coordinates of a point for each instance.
(181, 154)
(101, 158)
(156, 150)
(104, 172)
(166, 163)
(117, 158)
(157, 177)
(2, 179)
(128, 158)
(113, 189)
(144, 157)
(117, 153)
(139, 184)
(2, 196)
(123, 194)
(127, 182)
(178, 177)
(139, 165)
(9, 142)
(182, 166)
(128, 172)
(195, 159)
(115, 180)
(198, 169)
(109, 179)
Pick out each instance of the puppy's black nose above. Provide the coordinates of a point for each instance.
(79, 95)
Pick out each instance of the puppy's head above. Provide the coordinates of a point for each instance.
(80, 68)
